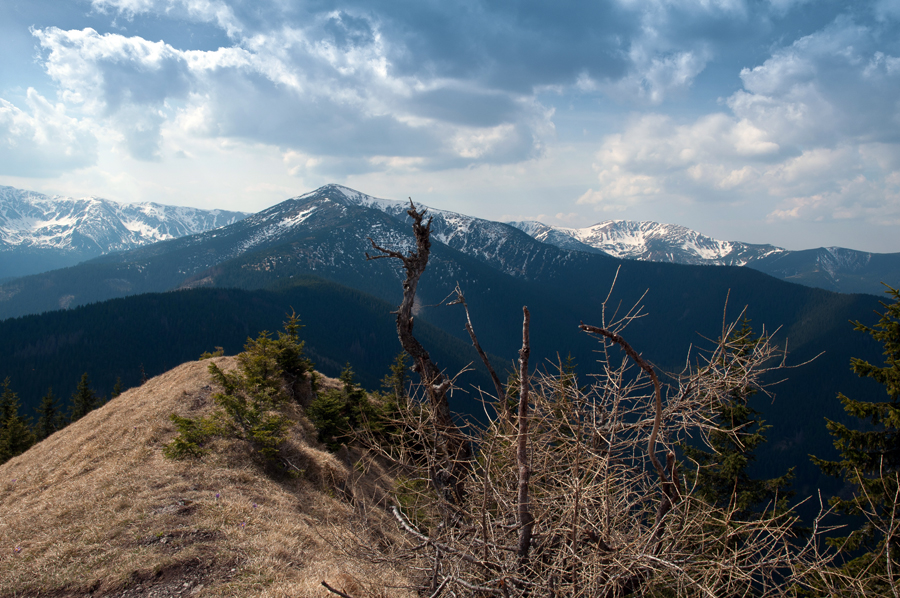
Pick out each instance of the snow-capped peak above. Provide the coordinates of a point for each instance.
(75, 229)
(651, 241)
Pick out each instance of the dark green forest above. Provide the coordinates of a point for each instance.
(125, 339)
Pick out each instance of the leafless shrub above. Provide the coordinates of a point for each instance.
(580, 492)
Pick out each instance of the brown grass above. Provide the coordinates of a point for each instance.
(96, 509)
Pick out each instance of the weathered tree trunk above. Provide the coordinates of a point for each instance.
(526, 520)
(454, 448)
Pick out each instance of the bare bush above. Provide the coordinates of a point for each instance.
(580, 493)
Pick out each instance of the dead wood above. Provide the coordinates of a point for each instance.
(454, 447)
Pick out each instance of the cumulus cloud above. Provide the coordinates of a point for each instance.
(325, 89)
(126, 80)
(492, 47)
(831, 85)
(813, 134)
(43, 141)
(405, 86)
(422, 83)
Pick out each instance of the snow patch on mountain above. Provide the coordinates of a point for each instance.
(94, 225)
(650, 241)
(298, 218)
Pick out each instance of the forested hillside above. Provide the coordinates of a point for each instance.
(150, 334)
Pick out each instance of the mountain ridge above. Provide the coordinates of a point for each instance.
(652, 241)
(325, 233)
(832, 268)
(40, 232)
(96, 509)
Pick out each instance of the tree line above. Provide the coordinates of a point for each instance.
(19, 432)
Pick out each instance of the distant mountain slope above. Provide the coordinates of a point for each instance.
(494, 243)
(835, 269)
(321, 232)
(832, 268)
(116, 339)
(40, 233)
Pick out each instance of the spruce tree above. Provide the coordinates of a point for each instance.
(84, 400)
(356, 402)
(870, 458)
(337, 413)
(15, 432)
(396, 382)
(117, 389)
(252, 404)
(8, 402)
(328, 414)
(383, 421)
(49, 417)
(722, 475)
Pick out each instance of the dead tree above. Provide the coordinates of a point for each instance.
(525, 518)
(568, 496)
(454, 448)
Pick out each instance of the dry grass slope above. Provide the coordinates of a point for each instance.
(97, 510)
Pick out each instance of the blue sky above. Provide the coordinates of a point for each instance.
(770, 121)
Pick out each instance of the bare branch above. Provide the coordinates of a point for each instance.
(651, 443)
(335, 591)
(525, 518)
(576, 501)
(498, 387)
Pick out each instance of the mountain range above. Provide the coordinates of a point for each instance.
(40, 233)
(833, 268)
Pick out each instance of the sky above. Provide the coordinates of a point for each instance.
(763, 121)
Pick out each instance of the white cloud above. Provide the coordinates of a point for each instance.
(834, 84)
(201, 10)
(782, 7)
(44, 141)
(700, 6)
(813, 135)
(293, 88)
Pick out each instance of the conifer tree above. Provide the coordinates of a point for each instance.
(49, 417)
(253, 398)
(722, 473)
(383, 423)
(8, 401)
(356, 404)
(336, 413)
(327, 413)
(870, 459)
(117, 388)
(84, 400)
(15, 432)
(396, 382)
